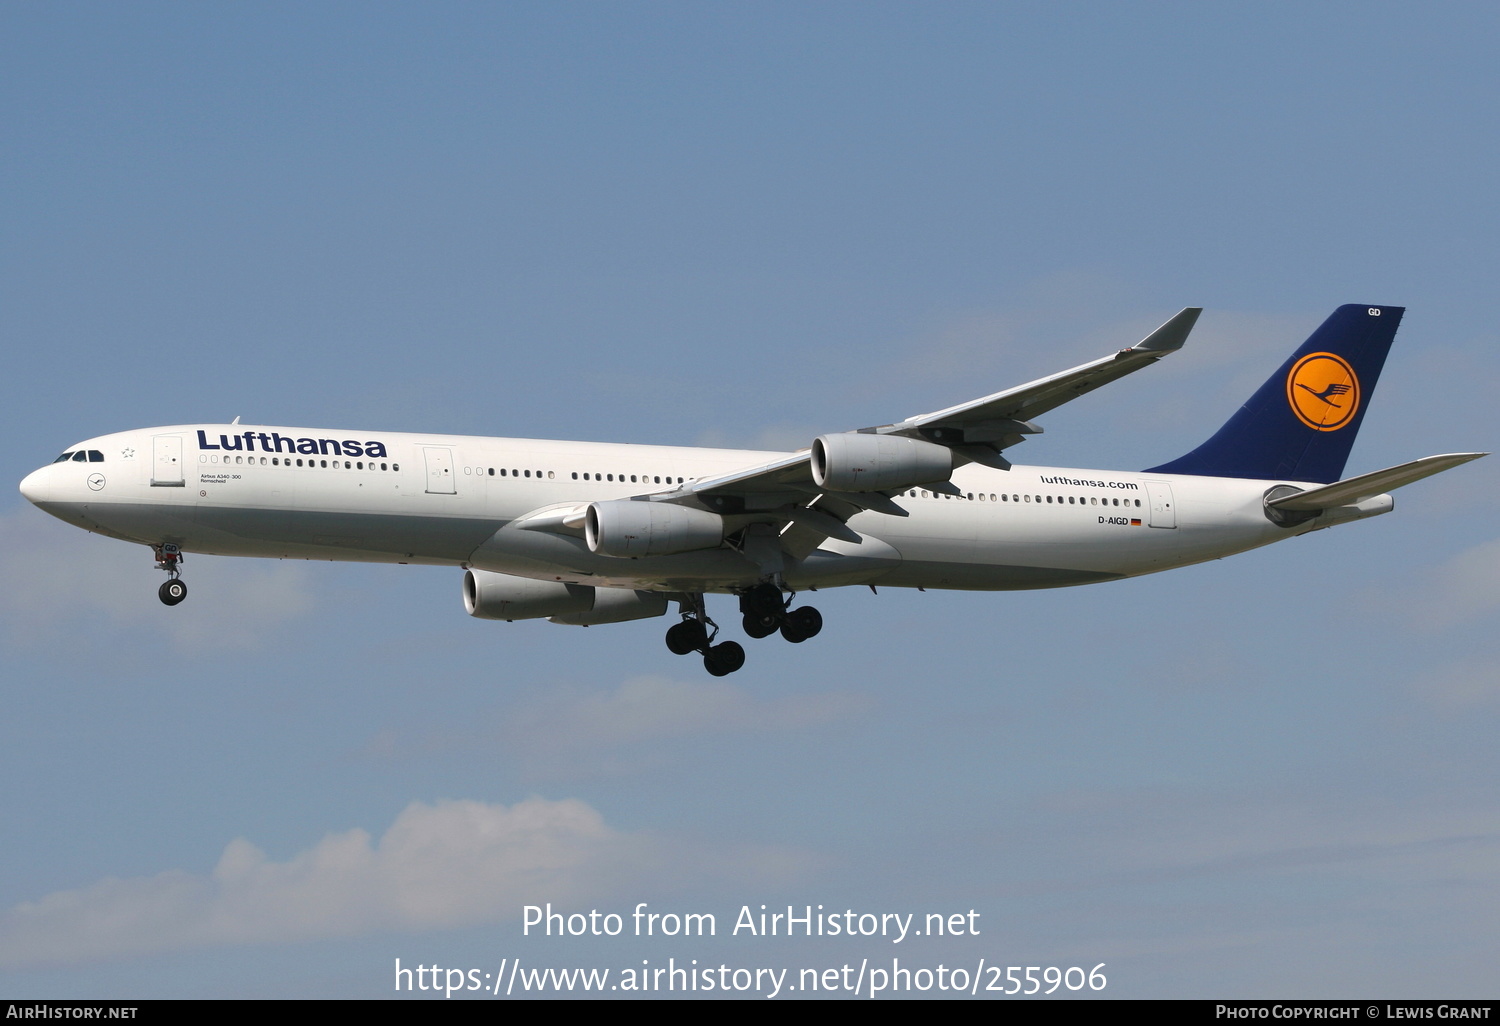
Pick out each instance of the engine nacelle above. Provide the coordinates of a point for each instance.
(624, 527)
(492, 596)
(853, 462)
(616, 605)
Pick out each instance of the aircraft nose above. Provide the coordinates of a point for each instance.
(33, 486)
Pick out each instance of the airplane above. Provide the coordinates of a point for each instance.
(588, 533)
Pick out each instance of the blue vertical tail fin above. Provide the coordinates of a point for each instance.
(1300, 425)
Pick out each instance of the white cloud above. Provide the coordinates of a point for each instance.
(450, 864)
(57, 578)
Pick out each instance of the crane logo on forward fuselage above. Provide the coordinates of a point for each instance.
(1323, 391)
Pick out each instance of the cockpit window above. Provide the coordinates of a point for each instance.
(65, 457)
(80, 456)
(95, 456)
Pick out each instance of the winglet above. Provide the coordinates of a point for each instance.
(1170, 336)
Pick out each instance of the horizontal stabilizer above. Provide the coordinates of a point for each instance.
(1357, 489)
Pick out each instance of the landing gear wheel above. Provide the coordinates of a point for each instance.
(172, 592)
(724, 659)
(682, 638)
(807, 620)
(759, 626)
(802, 623)
(763, 600)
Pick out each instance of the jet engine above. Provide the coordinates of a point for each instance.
(853, 462)
(624, 527)
(616, 605)
(492, 596)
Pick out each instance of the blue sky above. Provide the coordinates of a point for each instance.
(747, 225)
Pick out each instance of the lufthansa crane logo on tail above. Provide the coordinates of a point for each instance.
(1323, 391)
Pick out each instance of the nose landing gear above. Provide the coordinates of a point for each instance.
(169, 558)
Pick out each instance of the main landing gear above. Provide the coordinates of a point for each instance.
(765, 612)
(169, 558)
(692, 635)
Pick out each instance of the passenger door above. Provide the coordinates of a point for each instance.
(1163, 512)
(440, 479)
(166, 461)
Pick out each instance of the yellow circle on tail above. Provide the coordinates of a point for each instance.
(1323, 391)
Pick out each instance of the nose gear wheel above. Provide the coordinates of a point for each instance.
(169, 558)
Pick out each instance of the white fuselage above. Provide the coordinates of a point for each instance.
(296, 493)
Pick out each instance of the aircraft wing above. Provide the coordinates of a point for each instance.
(998, 421)
(976, 431)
